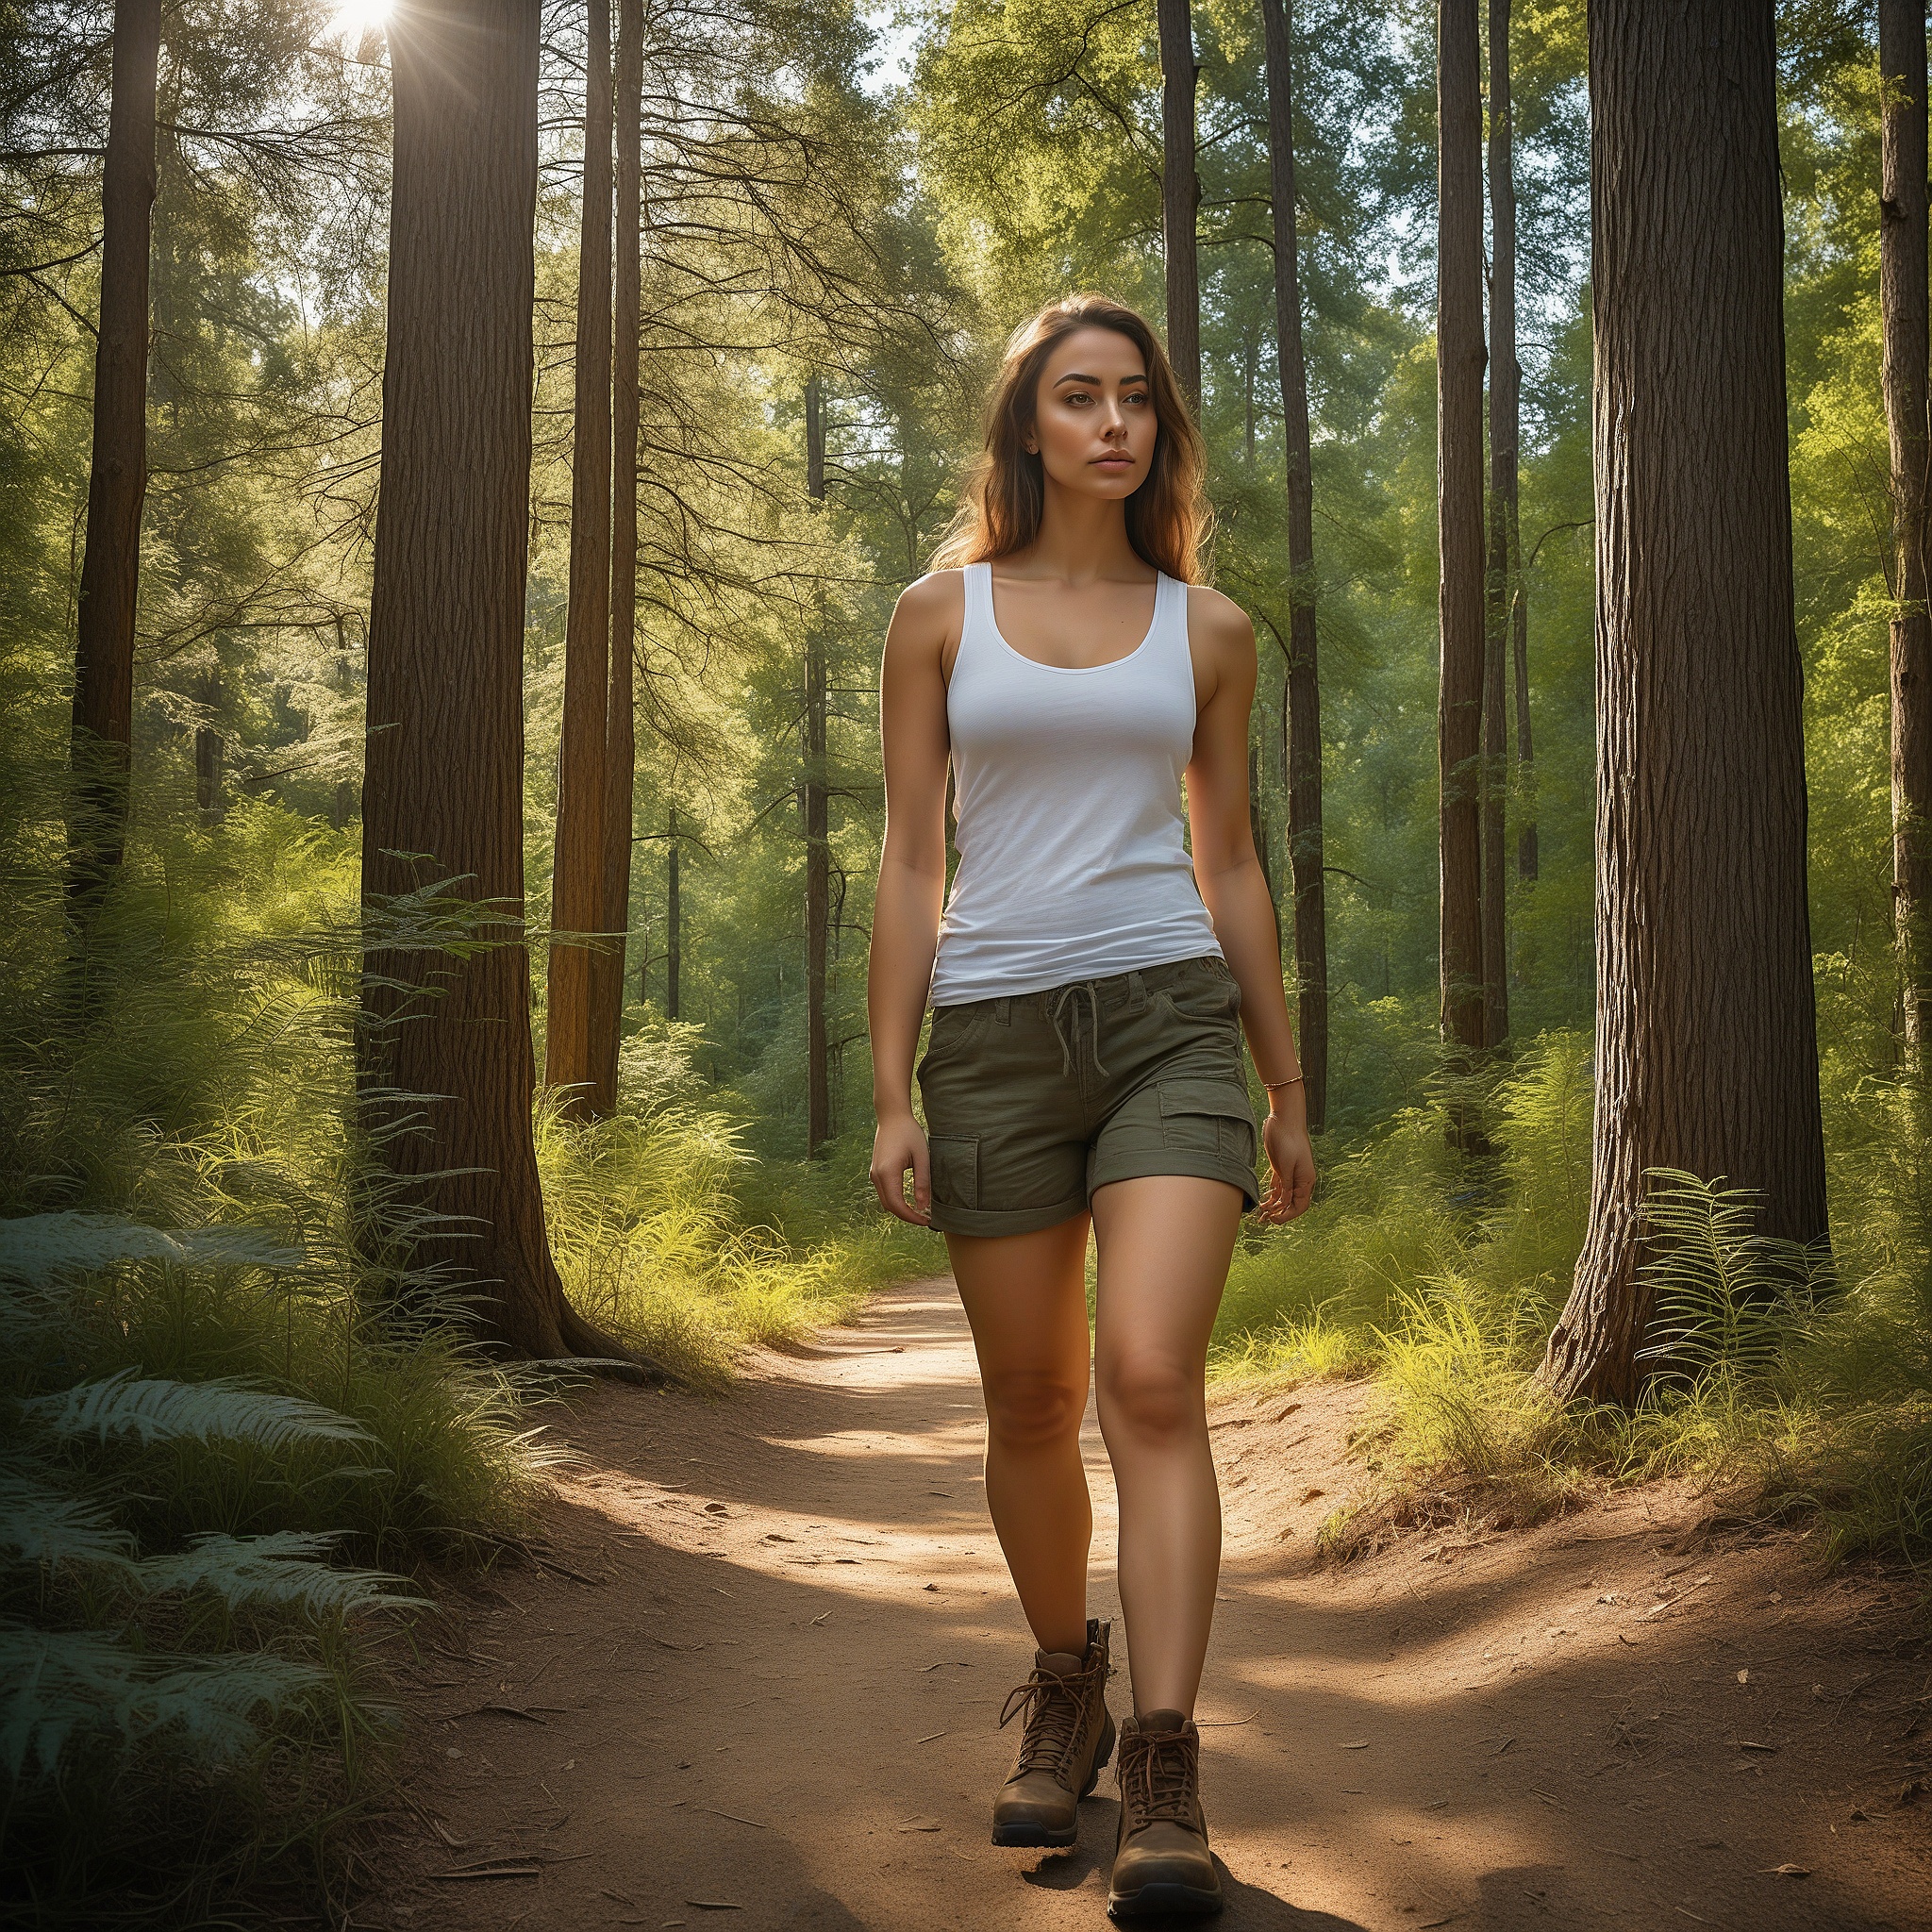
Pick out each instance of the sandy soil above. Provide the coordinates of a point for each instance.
(754, 1681)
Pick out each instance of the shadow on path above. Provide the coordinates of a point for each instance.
(758, 1687)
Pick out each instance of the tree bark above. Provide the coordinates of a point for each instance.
(208, 775)
(444, 1056)
(1304, 696)
(576, 886)
(620, 740)
(1459, 513)
(1706, 1035)
(1180, 193)
(117, 474)
(674, 923)
(1902, 295)
(1506, 380)
(1526, 754)
(818, 870)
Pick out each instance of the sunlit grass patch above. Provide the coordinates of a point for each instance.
(655, 1223)
(1783, 1383)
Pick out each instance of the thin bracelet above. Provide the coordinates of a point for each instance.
(1293, 1080)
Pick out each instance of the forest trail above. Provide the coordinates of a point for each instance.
(755, 1685)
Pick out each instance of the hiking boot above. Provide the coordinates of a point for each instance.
(1069, 1739)
(1161, 1862)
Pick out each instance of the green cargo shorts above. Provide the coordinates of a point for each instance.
(1034, 1100)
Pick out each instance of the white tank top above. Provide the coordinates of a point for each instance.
(1067, 801)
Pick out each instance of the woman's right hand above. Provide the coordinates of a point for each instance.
(897, 1145)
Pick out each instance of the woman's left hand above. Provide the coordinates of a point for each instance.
(1291, 1161)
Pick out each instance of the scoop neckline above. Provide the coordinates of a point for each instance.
(1072, 670)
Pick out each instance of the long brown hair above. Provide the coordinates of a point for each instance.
(1168, 517)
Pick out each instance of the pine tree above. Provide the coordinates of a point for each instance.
(816, 803)
(1304, 693)
(1459, 502)
(446, 1064)
(117, 475)
(576, 886)
(1901, 295)
(620, 741)
(1180, 195)
(1707, 1050)
(1506, 382)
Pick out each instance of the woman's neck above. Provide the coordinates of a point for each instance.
(1081, 539)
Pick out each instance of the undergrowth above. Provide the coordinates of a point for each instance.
(1783, 1380)
(226, 1459)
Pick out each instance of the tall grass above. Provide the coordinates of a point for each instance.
(670, 1234)
(1783, 1379)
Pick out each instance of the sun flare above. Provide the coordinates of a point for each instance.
(355, 20)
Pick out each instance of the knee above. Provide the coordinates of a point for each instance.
(1031, 1410)
(1151, 1400)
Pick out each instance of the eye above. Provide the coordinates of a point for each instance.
(1076, 396)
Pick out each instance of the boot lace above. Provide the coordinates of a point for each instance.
(1055, 1706)
(1157, 1773)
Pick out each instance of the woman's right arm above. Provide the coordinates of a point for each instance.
(912, 877)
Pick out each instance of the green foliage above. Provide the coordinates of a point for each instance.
(1783, 1376)
(674, 1237)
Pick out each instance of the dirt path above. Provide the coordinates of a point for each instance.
(758, 1686)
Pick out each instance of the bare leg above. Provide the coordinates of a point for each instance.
(1165, 1243)
(1025, 1297)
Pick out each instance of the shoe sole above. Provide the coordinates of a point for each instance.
(1165, 1900)
(1022, 1836)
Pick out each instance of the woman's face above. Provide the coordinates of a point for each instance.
(1093, 421)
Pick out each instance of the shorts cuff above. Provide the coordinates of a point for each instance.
(997, 1221)
(1137, 1167)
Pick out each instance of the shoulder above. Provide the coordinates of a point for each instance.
(931, 609)
(938, 596)
(1216, 623)
(928, 619)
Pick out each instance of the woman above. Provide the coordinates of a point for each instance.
(1088, 985)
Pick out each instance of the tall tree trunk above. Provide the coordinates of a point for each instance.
(1180, 193)
(449, 1032)
(1525, 753)
(1902, 295)
(576, 886)
(1506, 380)
(620, 740)
(818, 867)
(1459, 508)
(1706, 1054)
(208, 775)
(117, 475)
(1303, 694)
(674, 923)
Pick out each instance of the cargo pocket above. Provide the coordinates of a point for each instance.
(1208, 1116)
(955, 1169)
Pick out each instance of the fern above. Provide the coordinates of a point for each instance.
(285, 1571)
(72, 1683)
(38, 1248)
(1723, 1297)
(43, 1523)
(158, 1411)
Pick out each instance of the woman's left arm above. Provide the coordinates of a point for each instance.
(1234, 889)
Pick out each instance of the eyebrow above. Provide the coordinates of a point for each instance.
(1074, 376)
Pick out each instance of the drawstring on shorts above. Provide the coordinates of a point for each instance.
(1065, 1004)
